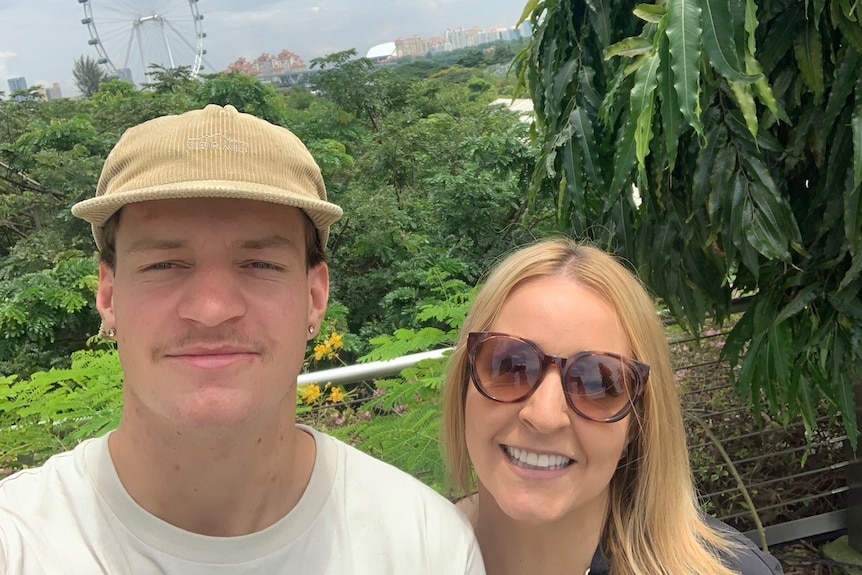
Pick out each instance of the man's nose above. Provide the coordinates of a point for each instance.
(211, 296)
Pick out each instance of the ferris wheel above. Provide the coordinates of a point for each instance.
(131, 35)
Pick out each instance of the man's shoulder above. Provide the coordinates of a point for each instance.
(378, 482)
(31, 485)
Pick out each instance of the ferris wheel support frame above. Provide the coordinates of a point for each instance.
(105, 58)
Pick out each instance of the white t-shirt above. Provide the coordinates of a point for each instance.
(358, 516)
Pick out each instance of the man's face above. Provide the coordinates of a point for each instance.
(211, 302)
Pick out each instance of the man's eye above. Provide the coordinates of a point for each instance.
(264, 266)
(161, 266)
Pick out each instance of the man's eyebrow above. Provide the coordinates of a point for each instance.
(153, 244)
(274, 241)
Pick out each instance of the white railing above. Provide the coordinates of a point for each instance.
(370, 370)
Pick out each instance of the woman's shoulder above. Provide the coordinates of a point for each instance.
(747, 558)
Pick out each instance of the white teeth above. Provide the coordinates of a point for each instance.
(528, 459)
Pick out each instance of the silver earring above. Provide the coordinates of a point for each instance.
(108, 334)
(311, 329)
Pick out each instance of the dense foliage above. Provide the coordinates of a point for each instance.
(740, 122)
(403, 152)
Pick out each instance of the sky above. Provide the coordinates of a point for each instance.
(40, 39)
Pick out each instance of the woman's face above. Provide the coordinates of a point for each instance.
(506, 440)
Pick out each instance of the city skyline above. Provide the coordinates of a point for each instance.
(41, 45)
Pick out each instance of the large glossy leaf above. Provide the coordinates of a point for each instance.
(817, 11)
(571, 199)
(611, 103)
(587, 94)
(799, 302)
(848, 9)
(846, 75)
(625, 159)
(809, 57)
(856, 123)
(761, 230)
(634, 46)
(529, 8)
(761, 196)
(720, 208)
(558, 88)
(684, 36)
(751, 363)
(702, 184)
(721, 47)
(751, 24)
(652, 13)
(769, 222)
(807, 400)
(643, 105)
(850, 30)
(842, 385)
(763, 90)
(853, 204)
(783, 356)
(600, 19)
(778, 212)
(582, 130)
(670, 114)
(745, 100)
(737, 231)
(779, 38)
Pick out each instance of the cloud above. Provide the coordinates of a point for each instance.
(4, 70)
(47, 35)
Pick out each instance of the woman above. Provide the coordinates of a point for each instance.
(561, 397)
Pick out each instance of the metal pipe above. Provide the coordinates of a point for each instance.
(370, 370)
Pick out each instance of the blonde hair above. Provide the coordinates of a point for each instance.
(654, 525)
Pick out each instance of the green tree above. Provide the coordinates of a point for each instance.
(47, 272)
(171, 80)
(433, 196)
(740, 122)
(472, 58)
(47, 315)
(245, 93)
(357, 86)
(88, 75)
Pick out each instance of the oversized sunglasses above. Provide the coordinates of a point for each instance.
(599, 386)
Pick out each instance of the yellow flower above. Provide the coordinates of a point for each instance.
(336, 395)
(320, 351)
(335, 341)
(309, 393)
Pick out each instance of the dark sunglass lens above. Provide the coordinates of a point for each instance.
(600, 386)
(507, 369)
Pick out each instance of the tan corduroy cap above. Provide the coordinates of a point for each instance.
(211, 153)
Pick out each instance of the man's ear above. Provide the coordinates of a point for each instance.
(105, 297)
(318, 295)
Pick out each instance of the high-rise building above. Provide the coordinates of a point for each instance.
(17, 84)
(413, 46)
(54, 92)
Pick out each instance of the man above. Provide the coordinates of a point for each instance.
(211, 227)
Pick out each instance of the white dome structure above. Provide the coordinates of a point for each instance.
(381, 52)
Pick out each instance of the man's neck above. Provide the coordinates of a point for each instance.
(228, 485)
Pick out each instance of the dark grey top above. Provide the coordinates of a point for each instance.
(749, 560)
